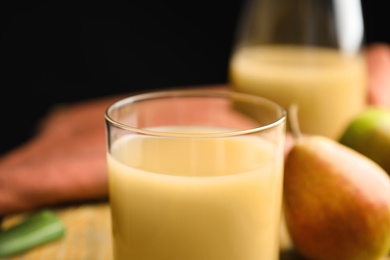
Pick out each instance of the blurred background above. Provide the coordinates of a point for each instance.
(65, 51)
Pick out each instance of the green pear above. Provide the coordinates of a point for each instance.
(369, 134)
(336, 202)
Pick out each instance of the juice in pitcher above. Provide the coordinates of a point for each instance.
(328, 87)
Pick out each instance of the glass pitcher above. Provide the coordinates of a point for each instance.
(303, 52)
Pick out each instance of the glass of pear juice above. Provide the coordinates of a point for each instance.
(195, 175)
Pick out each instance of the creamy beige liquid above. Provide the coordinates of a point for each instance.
(330, 89)
(204, 199)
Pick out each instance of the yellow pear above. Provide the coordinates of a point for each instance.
(336, 202)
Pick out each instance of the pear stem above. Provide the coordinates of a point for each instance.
(294, 122)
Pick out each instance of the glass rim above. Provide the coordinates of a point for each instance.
(132, 99)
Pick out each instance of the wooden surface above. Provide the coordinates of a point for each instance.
(88, 236)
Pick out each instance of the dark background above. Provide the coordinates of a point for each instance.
(64, 51)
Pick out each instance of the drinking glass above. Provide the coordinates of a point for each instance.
(195, 175)
(303, 52)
